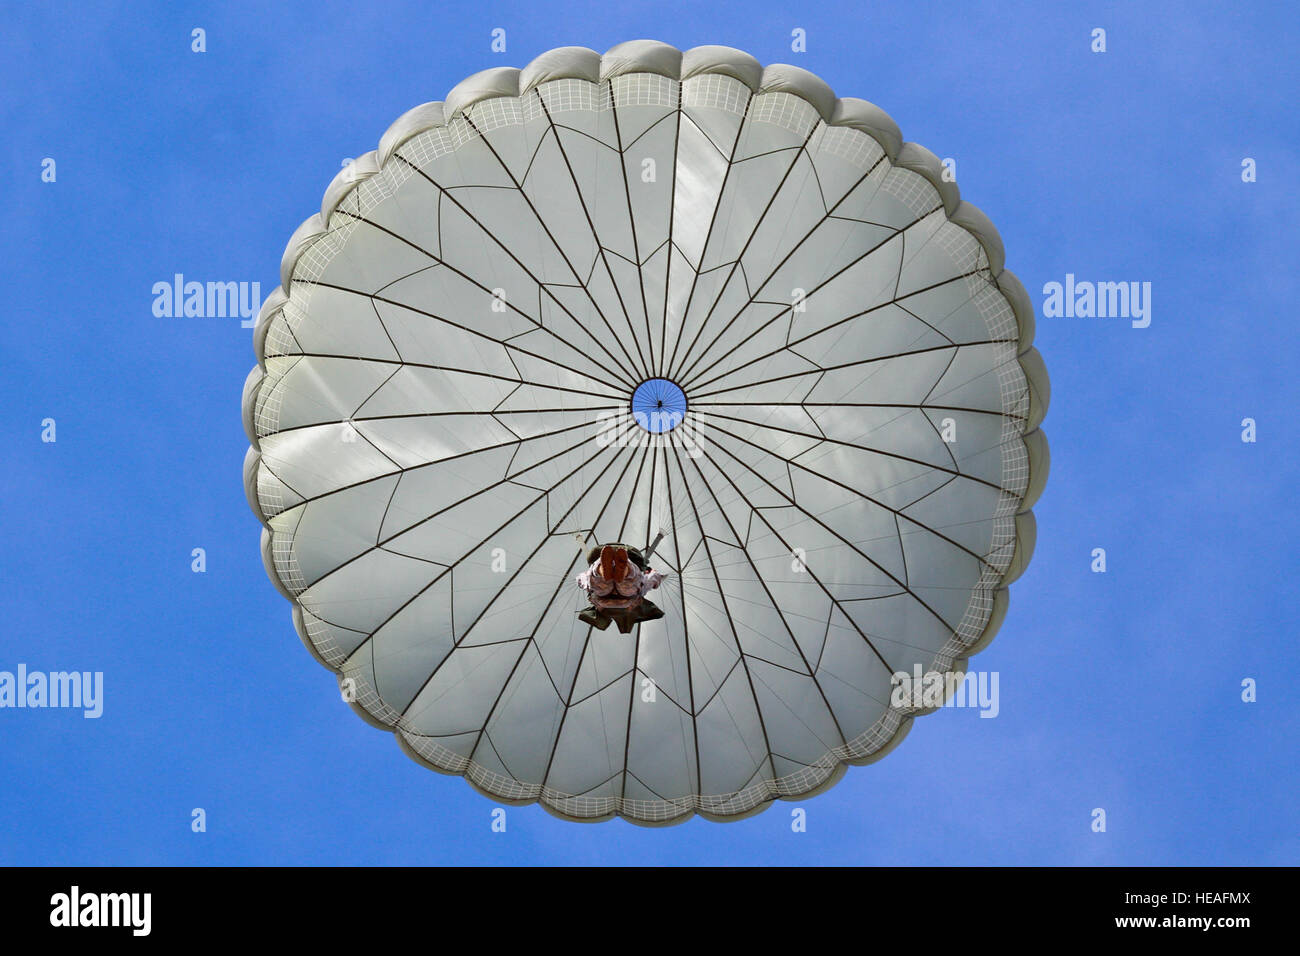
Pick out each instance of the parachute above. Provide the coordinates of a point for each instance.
(674, 299)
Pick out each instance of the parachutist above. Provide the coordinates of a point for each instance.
(616, 584)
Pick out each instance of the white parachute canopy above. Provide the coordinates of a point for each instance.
(611, 298)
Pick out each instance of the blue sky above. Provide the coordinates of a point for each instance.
(1119, 690)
